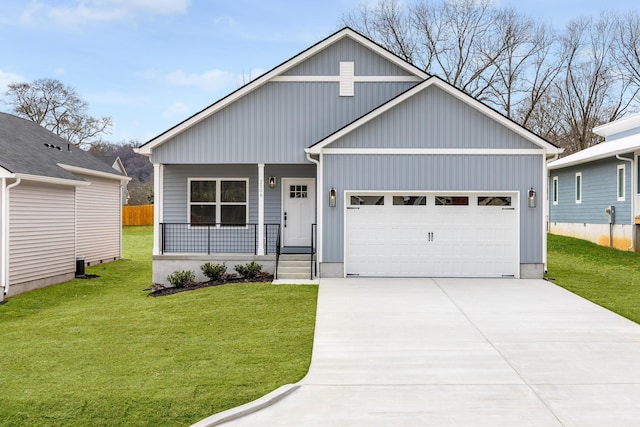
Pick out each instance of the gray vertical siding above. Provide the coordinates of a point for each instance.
(434, 173)
(433, 119)
(176, 192)
(274, 123)
(99, 227)
(599, 190)
(367, 62)
(42, 232)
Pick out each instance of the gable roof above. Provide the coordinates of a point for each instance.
(146, 148)
(618, 126)
(627, 144)
(549, 148)
(28, 149)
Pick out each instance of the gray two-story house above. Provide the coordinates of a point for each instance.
(360, 163)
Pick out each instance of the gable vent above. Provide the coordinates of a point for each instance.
(347, 71)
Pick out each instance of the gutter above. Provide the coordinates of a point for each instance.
(5, 232)
(319, 185)
(633, 216)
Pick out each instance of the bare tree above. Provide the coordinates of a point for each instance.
(628, 45)
(593, 90)
(58, 108)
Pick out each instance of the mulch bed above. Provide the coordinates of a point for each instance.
(158, 290)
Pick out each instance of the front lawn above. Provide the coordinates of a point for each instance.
(100, 352)
(608, 277)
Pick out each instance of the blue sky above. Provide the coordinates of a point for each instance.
(149, 64)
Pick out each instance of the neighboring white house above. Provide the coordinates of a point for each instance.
(58, 204)
(594, 192)
(348, 152)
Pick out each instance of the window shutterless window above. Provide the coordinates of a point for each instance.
(620, 183)
(554, 190)
(218, 201)
(579, 187)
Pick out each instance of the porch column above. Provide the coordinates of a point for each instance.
(158, 217)
(260, 209)
(4, 231)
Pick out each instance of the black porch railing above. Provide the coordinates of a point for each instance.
(217, 238)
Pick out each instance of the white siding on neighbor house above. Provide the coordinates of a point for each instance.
(98, 220)
(41, 235)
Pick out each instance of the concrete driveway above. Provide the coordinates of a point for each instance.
(477, 352)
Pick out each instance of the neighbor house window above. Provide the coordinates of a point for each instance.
(620, 183)
(554, 190)
(218, 201)
(579, 187)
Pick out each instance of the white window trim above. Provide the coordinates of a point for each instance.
(555, 191)
(578, 194)
(624, 185)
(217, 203)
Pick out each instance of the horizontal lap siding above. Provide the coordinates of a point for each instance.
(98, 220)
(434, 173)
(42, 232)
(599, 190)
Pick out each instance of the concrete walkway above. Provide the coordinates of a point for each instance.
(463, 352)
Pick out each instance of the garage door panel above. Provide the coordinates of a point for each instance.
(425, 239)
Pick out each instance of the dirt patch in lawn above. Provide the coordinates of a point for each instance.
(158, 290)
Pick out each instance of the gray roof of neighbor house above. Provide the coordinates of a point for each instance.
(30, 149)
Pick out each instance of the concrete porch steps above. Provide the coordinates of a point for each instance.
(294, 266)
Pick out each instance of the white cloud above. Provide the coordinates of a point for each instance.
(177, 109)
(78, 12)
(7, 78)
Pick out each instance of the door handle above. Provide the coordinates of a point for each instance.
(285, 220)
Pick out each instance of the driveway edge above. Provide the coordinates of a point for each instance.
(248, 408)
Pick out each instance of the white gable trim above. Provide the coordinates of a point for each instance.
(617, 126)
(437, 151)
(5, 173)
(280, 69)
(434, 81)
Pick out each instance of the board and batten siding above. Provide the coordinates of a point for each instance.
(599, 190)
(42, 232)
(433, 119)
(274, 123)
(508, 173)
(367, 62)
(176, 187)
(98, 220)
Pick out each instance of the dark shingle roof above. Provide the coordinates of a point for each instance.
(28, 148)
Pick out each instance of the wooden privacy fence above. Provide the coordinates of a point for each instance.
(137, 215)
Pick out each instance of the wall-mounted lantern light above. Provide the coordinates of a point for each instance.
(332, 197)
(532, 198)
(272, 182)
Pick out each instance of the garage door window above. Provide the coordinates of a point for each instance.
(409, 200)
(494, 201)
(452, 201)
(367, 200)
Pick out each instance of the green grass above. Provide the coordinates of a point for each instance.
(101, 352)
(605, 276)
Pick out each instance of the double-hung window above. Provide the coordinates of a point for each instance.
(222, 201)
(620, 183)
(579, 187)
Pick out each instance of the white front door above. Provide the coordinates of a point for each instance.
(298, 210)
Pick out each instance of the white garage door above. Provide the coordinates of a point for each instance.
(431, 234)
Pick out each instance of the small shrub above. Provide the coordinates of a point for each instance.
(181, 278)
(248, 271)
(213, 271)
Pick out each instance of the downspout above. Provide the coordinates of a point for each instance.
(5, 231)
(545, 219)
(633, 216)
(319, 186)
